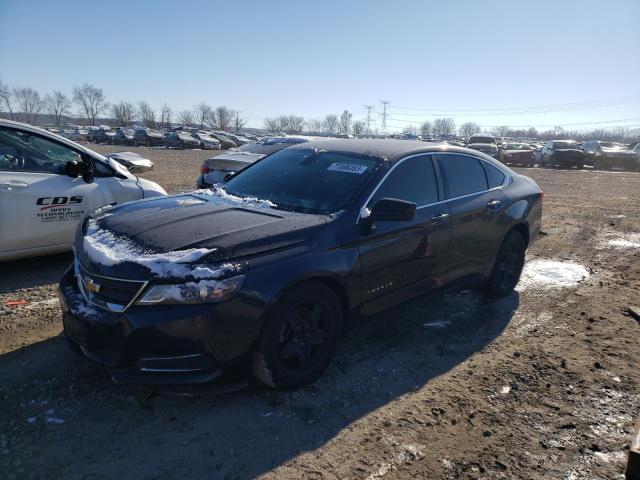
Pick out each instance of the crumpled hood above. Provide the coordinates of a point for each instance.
(228, 229)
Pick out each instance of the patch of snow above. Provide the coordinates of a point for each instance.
(55, 420)
(616, 379)
(219, 191)
(551, 274)
(505, 389)
(49, 302)
(617, 216)
(105, 248)
(622, 243)
(31, 419)
(186, 202)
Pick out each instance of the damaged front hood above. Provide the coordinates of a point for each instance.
(191, 229)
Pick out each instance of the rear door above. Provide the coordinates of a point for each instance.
(40, 205)
(475, 198)
(398, 255)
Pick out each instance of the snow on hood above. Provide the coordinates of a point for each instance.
(105, 248)
(219, 191)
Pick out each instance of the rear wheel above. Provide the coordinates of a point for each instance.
(508, 266)
(299, 338)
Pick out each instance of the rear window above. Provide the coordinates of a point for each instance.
(495, 177)
(482, 140)
(563, 145)
(463, 175)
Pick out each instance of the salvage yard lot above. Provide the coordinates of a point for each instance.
(542, 384)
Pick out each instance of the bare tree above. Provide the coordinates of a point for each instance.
(124, 113)
(272, 124)
(468, 129)
(359, 127)
(444, 126)
(5, 98)
(147, 114)
(221, 118)
(314, 125)
(238, 121)
(425, 128)
(29, 103)
(344, 127)
(58, 105)
(291, 123)
(91, 100)
(202, 112)
(185, 118)
(330, 123)
(165, 115)
(503, 130)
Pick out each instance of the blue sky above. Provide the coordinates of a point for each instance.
(311, 58)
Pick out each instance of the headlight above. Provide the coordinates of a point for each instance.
(204, 291)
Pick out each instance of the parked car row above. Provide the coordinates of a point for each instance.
(559, 153)
(150, 137)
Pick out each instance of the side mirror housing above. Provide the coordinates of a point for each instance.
(393, 210)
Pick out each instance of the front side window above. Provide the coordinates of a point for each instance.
(26, 152)
(463, 175)
(413, 180)
(305, 180)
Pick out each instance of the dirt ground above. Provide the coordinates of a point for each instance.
(543, 384)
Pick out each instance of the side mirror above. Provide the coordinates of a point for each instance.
(73, 169)
(393, 210)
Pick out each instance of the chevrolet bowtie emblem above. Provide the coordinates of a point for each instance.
(90, 285)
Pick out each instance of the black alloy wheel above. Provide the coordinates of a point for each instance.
(299, 338)
(508, 265)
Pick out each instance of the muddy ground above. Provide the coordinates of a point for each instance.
(543, 384)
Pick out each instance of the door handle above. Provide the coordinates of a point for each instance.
(13, 184)
(493, 204)
(441, 217)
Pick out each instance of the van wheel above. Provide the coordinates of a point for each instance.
(300, 337)
(508, 267)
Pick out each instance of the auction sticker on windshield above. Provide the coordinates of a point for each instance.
(348, 168)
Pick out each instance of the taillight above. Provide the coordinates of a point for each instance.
(204, 169)
(541, 196)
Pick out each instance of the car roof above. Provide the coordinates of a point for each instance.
(386, 149)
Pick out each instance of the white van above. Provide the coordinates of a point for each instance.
(48, 184)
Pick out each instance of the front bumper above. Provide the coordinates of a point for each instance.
(172, 344)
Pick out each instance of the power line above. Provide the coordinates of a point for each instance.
(385, 105)
(526, 126)
(560, 107)
(369, 109)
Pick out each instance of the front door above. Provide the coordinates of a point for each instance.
(402, 259)
(40, 205)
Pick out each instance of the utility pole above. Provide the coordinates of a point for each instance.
(385, 104)
(369, 109)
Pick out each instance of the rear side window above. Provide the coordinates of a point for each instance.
(463, 175)
(413, 180)
(494, 176)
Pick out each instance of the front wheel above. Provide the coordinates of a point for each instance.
(508, 266)
(300, 337)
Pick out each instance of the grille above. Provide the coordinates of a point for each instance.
(109, 293)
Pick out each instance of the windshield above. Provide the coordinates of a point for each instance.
(565, 145)
(482, 140)
(305, 180)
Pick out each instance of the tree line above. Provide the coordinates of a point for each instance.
(27, 105)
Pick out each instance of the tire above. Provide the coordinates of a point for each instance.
(149, 143)
(299, 338)
(508, 265)
(135, 143)
(181, 145)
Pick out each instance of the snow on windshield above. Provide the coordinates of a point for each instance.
(219, 191)
(105, 248)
